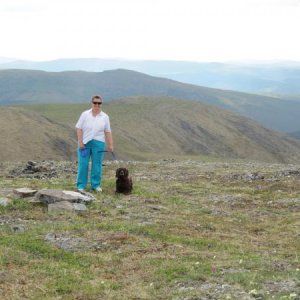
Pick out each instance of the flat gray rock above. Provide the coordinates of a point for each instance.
(84, 196)
(25, 192)
(49, 196)
(60, 206)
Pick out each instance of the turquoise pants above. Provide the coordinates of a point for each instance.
(95, 151)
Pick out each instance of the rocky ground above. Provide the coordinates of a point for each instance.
(190, 230)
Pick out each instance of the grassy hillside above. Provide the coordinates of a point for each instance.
(24, 86)
(26, 135)
(155, 127)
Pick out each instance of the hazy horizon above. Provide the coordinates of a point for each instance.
(249, 61)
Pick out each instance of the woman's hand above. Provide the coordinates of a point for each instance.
(110, 148)
(81, 145)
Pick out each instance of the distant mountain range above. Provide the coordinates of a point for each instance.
(273, 79)
(295, 135)
(28, 86)
(144, 127)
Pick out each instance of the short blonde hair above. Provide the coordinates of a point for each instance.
(97, 97)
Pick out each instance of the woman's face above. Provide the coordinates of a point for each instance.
(96, 104)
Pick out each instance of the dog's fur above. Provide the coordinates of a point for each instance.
(123, 182)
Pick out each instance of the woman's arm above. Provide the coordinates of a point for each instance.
(109, 141)
(79, 138)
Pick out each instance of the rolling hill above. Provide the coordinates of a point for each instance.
(27, 86)
(143, 128)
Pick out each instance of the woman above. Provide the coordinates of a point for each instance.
(93, 132)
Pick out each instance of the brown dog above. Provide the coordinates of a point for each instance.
(123, 182)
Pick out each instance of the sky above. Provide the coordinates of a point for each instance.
(187, 30)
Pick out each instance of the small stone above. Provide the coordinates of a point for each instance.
(4, 201)
(17, 228)
(4, 277)
(253, 292)
(156, 207)
(50, 237)
(79, 207)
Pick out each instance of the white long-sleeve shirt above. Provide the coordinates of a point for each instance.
(93, 127)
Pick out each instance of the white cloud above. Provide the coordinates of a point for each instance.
(187, 30)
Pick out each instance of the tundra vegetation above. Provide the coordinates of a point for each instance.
(191, 229)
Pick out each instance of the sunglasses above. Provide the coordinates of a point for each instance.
(97, 103)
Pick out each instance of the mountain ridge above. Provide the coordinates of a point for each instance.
(26, 86)
(278, 78)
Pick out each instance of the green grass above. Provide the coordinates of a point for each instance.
(210, 237)
(16, 205)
